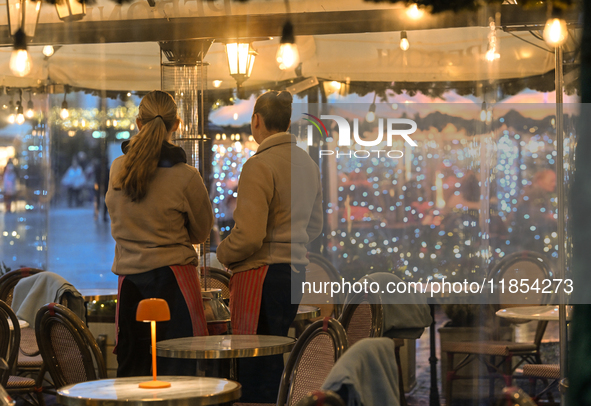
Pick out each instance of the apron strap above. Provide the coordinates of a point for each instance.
(246, 290)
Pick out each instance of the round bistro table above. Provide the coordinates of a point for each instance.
(184, 391)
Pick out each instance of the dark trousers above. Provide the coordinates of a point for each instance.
(134, 338)
(260, 376)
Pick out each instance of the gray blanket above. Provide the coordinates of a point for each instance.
(35, 291)
(367, 374)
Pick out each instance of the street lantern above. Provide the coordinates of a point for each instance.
(241, 58)
(70, 10)
(23, 14)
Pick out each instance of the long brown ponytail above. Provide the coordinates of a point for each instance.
(158, 114)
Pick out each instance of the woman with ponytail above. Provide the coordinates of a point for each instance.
(159, 208)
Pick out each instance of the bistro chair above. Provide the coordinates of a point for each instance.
(9, 348)
(363, 317)
(218, 279)
(544, 372)
(311, 359)
(519, 265)
(320, 270)
(29, 361)
(321, 398)
(9, 280)
(69, 350)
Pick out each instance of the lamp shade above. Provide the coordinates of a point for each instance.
(23, 14)
(153, 310)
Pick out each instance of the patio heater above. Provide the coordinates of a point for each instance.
(184, 76)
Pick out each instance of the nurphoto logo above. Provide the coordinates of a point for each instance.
(344, 137)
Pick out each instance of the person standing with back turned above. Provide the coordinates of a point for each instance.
(278, 211)
(159, 207)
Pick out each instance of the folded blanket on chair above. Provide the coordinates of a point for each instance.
(366, 374)
(35, 291)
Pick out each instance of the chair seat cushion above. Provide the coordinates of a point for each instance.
(18, 382)
(29, 362)
(549, 371)
(500, 348)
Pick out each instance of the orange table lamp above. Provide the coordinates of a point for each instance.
(153, 310)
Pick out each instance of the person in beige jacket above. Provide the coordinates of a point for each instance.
(159, 207)
(278, 212)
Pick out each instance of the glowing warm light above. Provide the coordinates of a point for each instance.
(483, 115)
(20, 119)
(287, 56)
(491, 55)
(414, 12)
(12, 118)
(336, 85)
(404, 44)
(217, 83)
(555, 32)
(64, 113)
(20, 62)
(30, 113)
(370, 116)
(235, 116)
(48, 50)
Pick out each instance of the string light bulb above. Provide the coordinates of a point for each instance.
(30, 107)
(20, 117)
(64, 113)
(20, 60)
(48, 50)
(555, 32)
(287, 54)
(404, 44)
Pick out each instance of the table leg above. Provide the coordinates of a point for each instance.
(434, 392)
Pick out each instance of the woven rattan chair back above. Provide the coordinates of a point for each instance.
(9, 280)
(311, 359)
(219, 279)
(363, 317)
(319, 271)
(9, 340)
(519, 266)
(321, 398)
(69, 350)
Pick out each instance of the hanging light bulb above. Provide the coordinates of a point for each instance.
(30, 107)
(371, 114)
(48, 50)
(555, 32)
(64, 113)
(20, 117)
(287, 55)
(404, 44)
(483, 112)
(20, 60)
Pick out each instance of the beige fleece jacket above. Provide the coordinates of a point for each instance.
(159, 230)
(278, 209)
